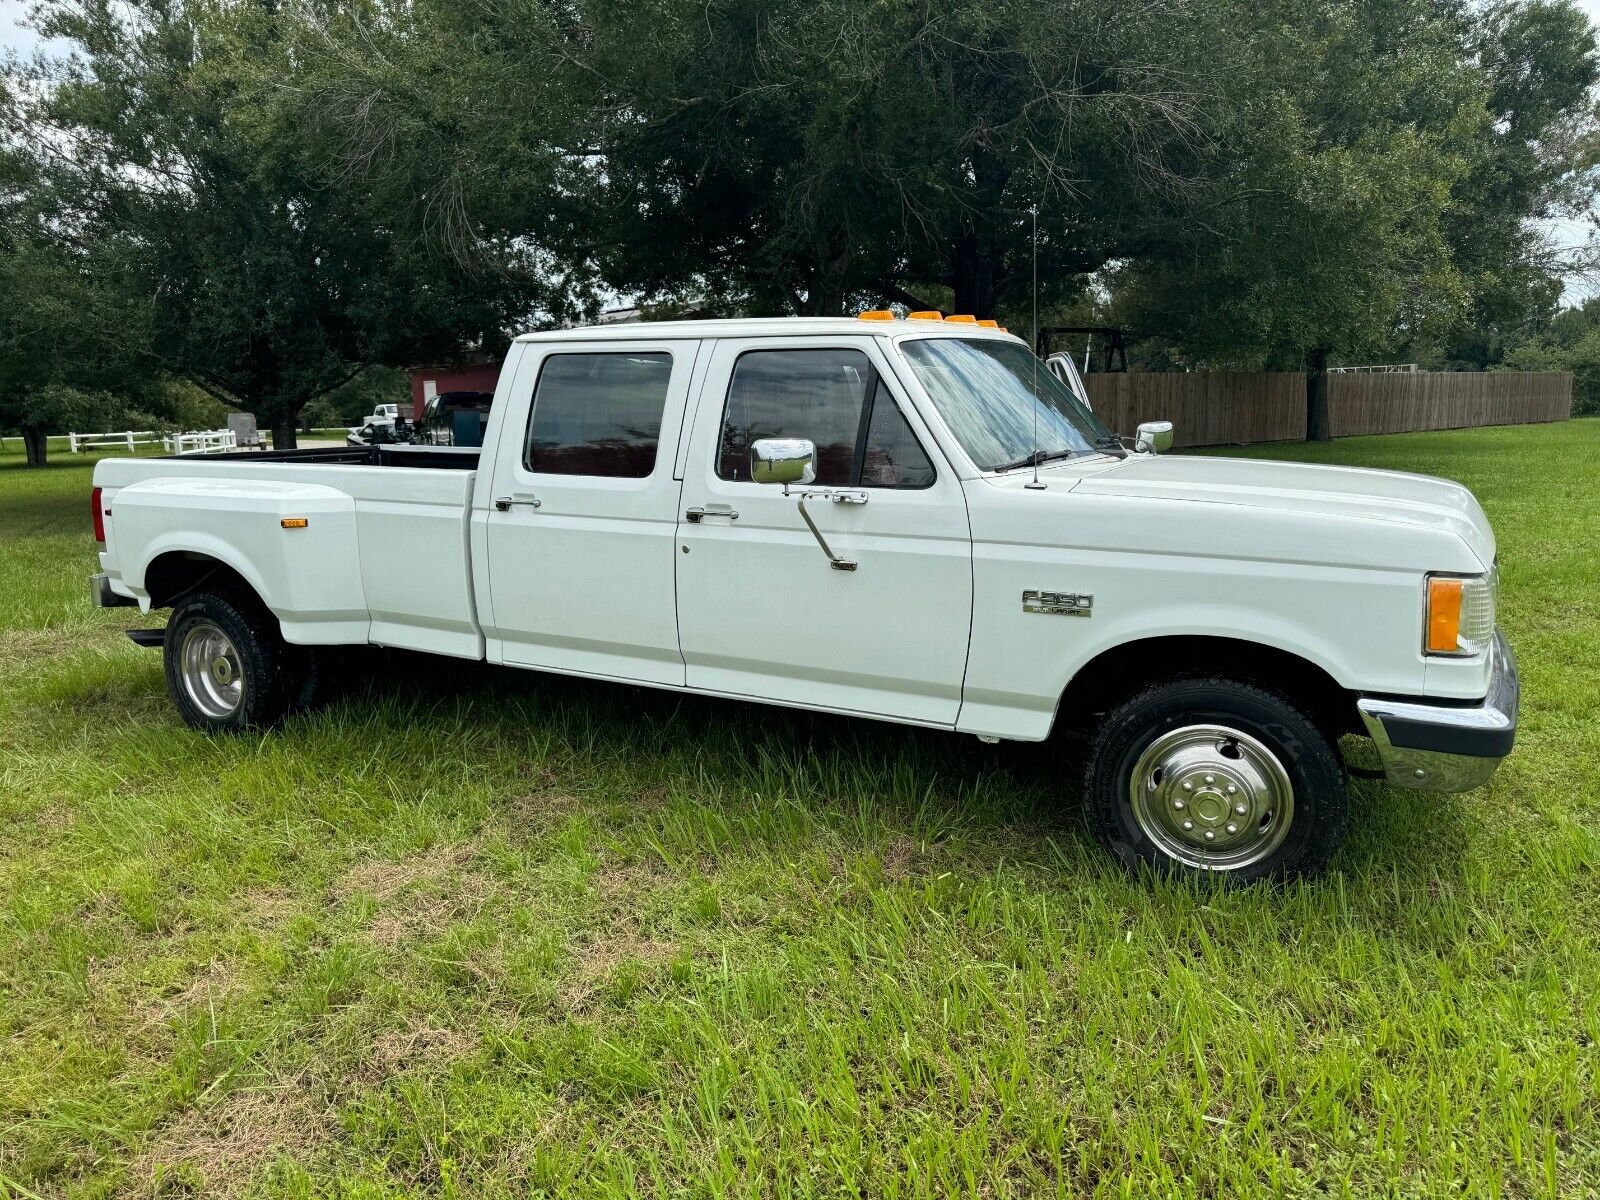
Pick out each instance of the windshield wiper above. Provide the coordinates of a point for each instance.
(1038, 456)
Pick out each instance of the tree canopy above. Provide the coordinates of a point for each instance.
(267, 197)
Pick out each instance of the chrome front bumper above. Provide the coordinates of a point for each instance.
(1442, 747)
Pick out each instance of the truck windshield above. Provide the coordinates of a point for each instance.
(988, 392)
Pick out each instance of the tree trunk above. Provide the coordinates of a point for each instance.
(36, 445)
(284, 436)
(971, 278)
(1319, 427)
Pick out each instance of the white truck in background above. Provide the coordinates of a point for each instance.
(908, 520)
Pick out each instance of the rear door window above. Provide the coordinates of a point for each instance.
(598, 414)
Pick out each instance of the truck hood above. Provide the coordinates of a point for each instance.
(1383, 497)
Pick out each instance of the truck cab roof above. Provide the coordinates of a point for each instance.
(757, 327)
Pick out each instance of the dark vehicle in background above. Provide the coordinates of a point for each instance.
(455, 419)
(448, 419)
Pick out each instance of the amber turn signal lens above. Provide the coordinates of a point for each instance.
(926, 314)
(1444, 615)
(962, 319)
(990, 324)
(875, 314)
(294, 522)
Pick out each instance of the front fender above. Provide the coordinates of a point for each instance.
(1358, 625)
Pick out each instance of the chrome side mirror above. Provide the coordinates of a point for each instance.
(794, 460)
(783, 460)
(1153, 437)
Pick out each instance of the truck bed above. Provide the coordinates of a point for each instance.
(382, 557)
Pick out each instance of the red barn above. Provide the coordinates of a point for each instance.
(467, 376)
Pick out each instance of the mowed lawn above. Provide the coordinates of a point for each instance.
(481, 933)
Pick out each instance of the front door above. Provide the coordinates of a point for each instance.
(762, 612)
(581, 529)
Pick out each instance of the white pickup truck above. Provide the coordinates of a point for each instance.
(908, 520)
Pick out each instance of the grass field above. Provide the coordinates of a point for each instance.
(478, 933)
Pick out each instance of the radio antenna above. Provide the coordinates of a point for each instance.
(1035, 485)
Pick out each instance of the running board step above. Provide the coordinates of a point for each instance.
(147, 637)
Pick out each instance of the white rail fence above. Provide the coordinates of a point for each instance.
(79, 442)
(199, 441)
(207, 441)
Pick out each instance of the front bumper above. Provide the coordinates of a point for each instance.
(1446, 748)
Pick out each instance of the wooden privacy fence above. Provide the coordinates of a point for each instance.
(1205, 408)
(1233, 407)
(1445, 400)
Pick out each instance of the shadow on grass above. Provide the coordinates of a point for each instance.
(738, 772)
(992, 795)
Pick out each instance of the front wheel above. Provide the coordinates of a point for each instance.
(1215, 777)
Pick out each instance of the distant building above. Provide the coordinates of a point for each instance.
(477, 372)
(474, 374)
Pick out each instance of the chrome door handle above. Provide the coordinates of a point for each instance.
(697, 514)
(504, 503)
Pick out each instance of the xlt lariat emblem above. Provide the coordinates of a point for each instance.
(1060, 604)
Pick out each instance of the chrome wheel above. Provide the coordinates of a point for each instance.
(1212, 797)
(209, 666)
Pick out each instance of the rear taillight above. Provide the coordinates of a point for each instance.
(99, 516)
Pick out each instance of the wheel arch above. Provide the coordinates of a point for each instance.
(173, 574)
(1119, 671)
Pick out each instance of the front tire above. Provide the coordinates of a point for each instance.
(1217, 778)
(228, 667)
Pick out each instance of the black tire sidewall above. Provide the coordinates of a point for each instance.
(262, 659)
(1320, 788)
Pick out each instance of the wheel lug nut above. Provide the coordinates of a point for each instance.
(1178, 804)
(1240, 808)
(1211, 778)
(1188, 824)
(1232, 828)
(1187, 786)
(1210, 834)
(1232, 791)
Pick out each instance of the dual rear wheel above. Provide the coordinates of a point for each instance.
(228, 666)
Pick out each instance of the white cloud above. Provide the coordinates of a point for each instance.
(12, 35)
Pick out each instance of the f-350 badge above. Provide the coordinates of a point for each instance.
(1058, 604)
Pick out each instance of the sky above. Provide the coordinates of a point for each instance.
(14, 36)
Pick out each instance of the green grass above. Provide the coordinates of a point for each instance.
(484, 933)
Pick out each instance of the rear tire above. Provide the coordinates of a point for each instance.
(228, 667)
(1215, 778)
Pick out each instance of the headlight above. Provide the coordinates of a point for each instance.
(1459, 620)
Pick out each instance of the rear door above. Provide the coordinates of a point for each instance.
(762, 612)
(580, 528)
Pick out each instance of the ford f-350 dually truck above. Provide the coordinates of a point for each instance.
(908, 520)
